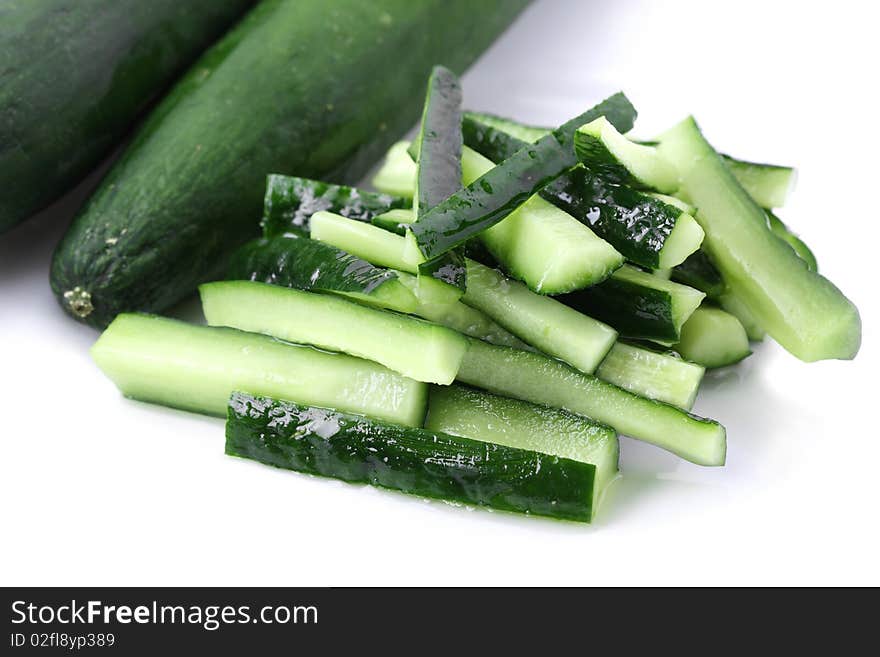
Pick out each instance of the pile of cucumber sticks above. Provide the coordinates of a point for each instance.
(482, 328)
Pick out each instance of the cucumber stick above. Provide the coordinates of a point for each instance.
(800, 309)
(292, 88)
(663, 377)
(311, 265)
(769, 185)
(538, 379)
(600, 147)
(651, 232)
(426, 463)
(470, 413)
(638, 305)
(290, 202)
(196, 368)
(493, 196)
(797, 245)
(713, 338)
(76, 74)
(397, 173)
(542, 322)
(417, 349)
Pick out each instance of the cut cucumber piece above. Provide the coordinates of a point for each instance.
(698, 272)
(311, 265)
(541, 380)
(713, 338)
(394, 220)
(470, 413)
(417, 349)
(493, 196)
(290, 202)
(638, 304)
(542, 322)
(769, 185)
(674, 201)
(426, 463)
(383, 248)
(797, 245)
(733, 305)
(541, 245)
(601, 147)
(397, 175)
(462, 318)
(639, 226)
(520, 131)
(663, 377)
(800, 309)
(195, 368)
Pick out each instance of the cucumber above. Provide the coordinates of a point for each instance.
(195, 368)
(713, 338)
(769, 185)
(504, 126)
(394, 220)
(734, 305)
(426, 463)
(470, 413)
(310, 265)
(291, 201)
(382, 248)
(538, 379)
(800, 309)
(542, 322)
(75, 76)
(292, 89)
(698, 272)
(397, 174)
(462, 318)
(648, 231)
(663, 377)
(414, 348)
(493, 196)
(541, 245)
(602, 148)
(638, 305)
(797, 245)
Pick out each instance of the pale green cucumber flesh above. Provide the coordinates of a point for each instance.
(535, 378)
(412, 347)
(713, 338)
(375, 245)
(769, 185)
(196, 368)
(397, 174)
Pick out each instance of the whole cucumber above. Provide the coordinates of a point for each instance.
(74, 75)
(307, 88)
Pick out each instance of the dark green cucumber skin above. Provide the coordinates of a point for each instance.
(360, 450)
(290, 202)
(635, 224)
(75, 74)
(292, 89)
(449, 268)
(493, 196)
(699, 272)
(305, 264)
(636, 312)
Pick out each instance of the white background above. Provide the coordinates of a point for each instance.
(95, 489)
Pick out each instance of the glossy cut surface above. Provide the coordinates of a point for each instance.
(411, 460)
(74, 76)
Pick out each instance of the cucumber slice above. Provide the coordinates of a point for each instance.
(541, 245)
(195, 368)
(397, 175)
(698, 272)
(470, 413)
(538, 379)
(394, 220)
(713, 338)
(311, 265)
(417, 349)
(638, 305)
(426, 463)
(800, 309)
(796, 243)
(290, 202)
(639, 226)
(663, 377)
(462, 318)
(493, 196)
(382, 248)
(769, 185)
(542, 322)
(674, 201)
(601, 147)
(519, 131)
